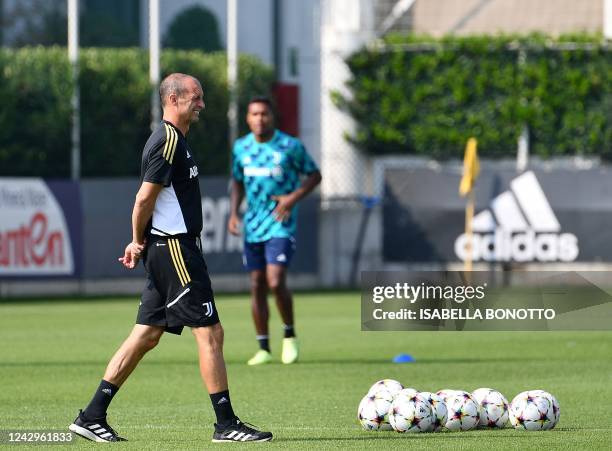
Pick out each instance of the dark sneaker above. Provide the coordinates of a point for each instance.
(96, 430)
(240, 432)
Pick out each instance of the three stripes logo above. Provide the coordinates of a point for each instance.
(100, 431)
(179, 262)
(170, 146)
(238, 436)
(519, 226)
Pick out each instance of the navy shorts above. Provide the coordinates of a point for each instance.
(178, 291)
(275, 251)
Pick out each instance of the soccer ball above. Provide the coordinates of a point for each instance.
(447, 393)
(463, 412)
(556, 410)
(493, 407)
(555, 405)
(410, 413)
(409, 392)
(534, 411)
(438, 411)
(373, 411)
(390, 385)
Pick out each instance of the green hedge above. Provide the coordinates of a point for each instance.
(35, 86)
(421, 96)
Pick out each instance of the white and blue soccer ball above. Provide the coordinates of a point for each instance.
(463, 412)
(410, 413)
(391, 385)
(438, 411)
(493, 408)
(534, 410)
(373, 411)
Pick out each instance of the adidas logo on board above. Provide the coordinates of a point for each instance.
(520, 226)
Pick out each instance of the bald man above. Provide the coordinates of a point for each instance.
(166, 227)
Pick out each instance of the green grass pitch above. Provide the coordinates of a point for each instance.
(53, 354)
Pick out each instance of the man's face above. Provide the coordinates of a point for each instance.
(259, 118)
(191, 102)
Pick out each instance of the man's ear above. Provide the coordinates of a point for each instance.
(173, 99)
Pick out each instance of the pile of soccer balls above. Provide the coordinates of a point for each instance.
(390, 406)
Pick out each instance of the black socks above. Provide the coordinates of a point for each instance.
(289, 331)
(100, 401)
(105, 392)
(223, 408)
(264, 342)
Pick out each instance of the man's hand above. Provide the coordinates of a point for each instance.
(132, 255)
(233, 225)
(282, 212)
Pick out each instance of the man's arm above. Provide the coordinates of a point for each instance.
(142, 212)
(287, 201)
(236, 196)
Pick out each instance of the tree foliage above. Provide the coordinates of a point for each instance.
(421, 96)
(195, 28)
(35, 85)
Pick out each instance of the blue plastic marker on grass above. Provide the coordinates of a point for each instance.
(403, 358)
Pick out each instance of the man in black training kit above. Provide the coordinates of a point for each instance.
(166, 226)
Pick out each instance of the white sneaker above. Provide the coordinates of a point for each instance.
(290, 350)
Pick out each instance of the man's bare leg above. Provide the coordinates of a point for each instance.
(214, 373)
(276, 276)
(140, 341)
(261, 315)
(91, 423)
(212, 363)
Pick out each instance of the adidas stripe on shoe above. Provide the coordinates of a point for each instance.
(240, 432)
(96, 430)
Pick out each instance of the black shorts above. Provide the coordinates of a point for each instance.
(178, 291)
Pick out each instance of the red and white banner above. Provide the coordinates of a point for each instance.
(34, 237)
